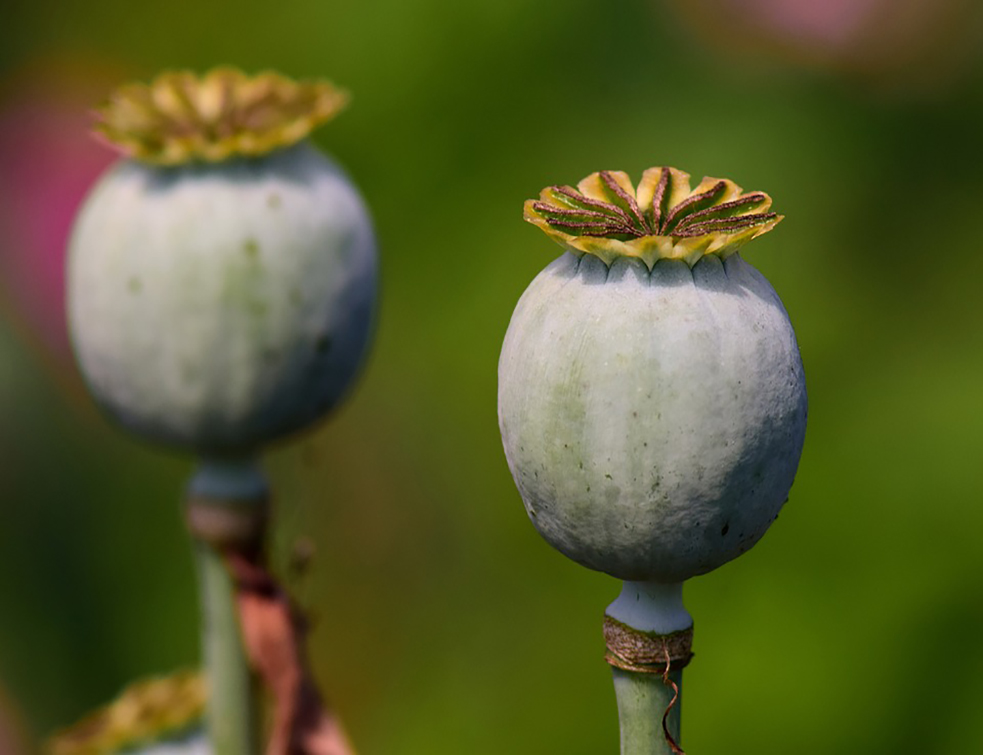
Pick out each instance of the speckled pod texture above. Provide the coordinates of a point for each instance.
(217, 307)
(653, 420)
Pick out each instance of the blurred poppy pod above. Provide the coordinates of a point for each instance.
(222, 277)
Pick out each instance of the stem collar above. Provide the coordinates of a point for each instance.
(646, 652)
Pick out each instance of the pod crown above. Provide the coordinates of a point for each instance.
(181, 117)
(146, 712)
(609, 217)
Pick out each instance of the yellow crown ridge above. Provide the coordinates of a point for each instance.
(145, 712)
(662, 218)
(181, 117)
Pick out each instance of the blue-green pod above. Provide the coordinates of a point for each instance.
(221, 294)
(651, 399)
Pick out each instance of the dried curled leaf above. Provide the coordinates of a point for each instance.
(181, 117)
(147, 712)
(274, 634)
(609, 217)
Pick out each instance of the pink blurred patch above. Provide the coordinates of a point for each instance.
(11, 734)
(832, 23)
(907, 45)
(48, 161)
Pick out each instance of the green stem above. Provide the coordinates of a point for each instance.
(222, 495)
(643, 698)
(642, 701)
(232, 711)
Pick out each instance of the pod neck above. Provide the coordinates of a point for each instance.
(230, 480)
(651, 607)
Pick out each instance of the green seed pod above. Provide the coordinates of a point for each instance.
(222, 280)
(651, 395)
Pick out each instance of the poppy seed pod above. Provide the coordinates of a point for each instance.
(222, 279)
(651, 395)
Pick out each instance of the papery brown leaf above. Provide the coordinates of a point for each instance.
(274, 634)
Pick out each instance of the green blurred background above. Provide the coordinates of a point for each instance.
(442, 623)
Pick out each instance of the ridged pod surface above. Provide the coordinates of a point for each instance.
(222, 300)
(653, 411)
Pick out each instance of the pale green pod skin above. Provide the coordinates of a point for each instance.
(194, 743)
(218, 306)
(653, 419)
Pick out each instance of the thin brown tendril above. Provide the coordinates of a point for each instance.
(677, 750)
(630, 649)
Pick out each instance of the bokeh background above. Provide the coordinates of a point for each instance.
(442, 623)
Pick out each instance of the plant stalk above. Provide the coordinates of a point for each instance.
(649, 699)
(642, 701)
(231, 712)
(225, 501)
